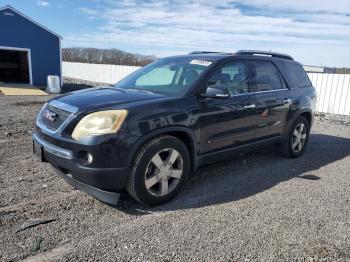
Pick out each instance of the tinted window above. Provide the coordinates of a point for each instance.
(233, 76)
(264, 76)
(296, 75)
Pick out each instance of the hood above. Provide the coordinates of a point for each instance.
(93, 99)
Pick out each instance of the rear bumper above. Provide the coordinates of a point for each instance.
(102, 183)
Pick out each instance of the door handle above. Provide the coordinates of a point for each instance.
(250, 106)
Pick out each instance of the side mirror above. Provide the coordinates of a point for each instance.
(216, 92)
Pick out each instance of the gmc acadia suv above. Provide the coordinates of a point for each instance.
(151, 130)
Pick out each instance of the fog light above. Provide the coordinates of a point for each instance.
(84, 158)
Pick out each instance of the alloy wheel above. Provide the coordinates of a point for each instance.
(299, 137)
(164, 172)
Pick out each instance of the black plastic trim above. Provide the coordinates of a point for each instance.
(227, 153)
(108, 197)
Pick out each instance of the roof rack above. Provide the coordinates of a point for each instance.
(264, 53)
(207, 52)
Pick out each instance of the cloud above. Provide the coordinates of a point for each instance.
(336, 6)
(168, 27)
(88, 11)
(42, 3)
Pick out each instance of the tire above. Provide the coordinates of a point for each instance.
(289, 148)
(160, 168)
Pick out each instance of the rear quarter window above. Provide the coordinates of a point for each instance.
(296, 75)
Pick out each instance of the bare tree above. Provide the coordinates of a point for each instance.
(105, 56)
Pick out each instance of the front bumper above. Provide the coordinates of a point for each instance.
(102, 183)
(108, 197)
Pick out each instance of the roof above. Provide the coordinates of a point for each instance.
(209, 57)
(243, 52)
(29, 19)
(264, 53)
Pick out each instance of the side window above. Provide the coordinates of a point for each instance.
(233, 76)
(264, 76)
(296, 75)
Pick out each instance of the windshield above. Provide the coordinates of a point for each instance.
(169, 76)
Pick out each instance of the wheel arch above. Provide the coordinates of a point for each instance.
(307, 114)
(184, 134)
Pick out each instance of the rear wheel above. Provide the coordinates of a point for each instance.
(296, 142)
(160, 168)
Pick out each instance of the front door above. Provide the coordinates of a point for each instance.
(231, 121)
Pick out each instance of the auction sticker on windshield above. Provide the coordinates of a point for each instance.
(200, 62)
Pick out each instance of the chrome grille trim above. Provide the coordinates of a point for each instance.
(71, 110)
(63, 106)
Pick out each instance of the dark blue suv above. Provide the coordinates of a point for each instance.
(151, 130)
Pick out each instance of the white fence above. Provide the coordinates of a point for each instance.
(333, 93)
(333, 89)
(100, 73)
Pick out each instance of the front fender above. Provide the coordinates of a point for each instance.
(162, 131)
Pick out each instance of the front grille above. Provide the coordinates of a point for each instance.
(60, 118)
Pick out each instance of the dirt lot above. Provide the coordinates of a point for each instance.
(258, 206)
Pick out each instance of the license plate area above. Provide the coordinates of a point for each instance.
(38, 151)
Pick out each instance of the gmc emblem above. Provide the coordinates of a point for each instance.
(50, 115)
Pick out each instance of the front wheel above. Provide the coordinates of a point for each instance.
(160, 168)
(296, 142)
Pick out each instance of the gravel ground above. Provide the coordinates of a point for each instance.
(255, 207)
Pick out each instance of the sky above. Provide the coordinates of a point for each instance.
(314, 32)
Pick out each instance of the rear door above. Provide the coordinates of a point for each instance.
(273, 98)
(227, 122)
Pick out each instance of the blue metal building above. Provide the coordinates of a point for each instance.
(29, 52)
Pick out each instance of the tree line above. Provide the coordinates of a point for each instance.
(105, 56)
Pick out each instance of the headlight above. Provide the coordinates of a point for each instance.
(99, 123)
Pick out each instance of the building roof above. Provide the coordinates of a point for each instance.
(29, 19)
